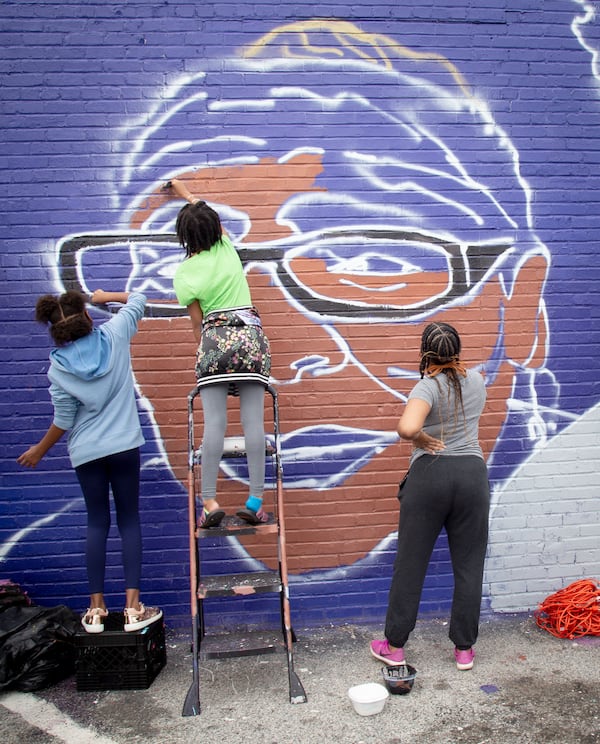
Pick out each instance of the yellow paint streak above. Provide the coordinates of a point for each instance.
(351, 41)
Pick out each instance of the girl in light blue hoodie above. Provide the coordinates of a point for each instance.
(91, 386)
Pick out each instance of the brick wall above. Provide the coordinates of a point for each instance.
(388, 166)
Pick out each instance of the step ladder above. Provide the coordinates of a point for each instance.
(203, 587)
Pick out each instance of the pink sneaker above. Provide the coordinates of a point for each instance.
(464, 659)
(381, 650)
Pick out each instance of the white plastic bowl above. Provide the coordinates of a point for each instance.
(368, 699)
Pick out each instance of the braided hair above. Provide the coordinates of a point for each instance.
(66, 315)
(198, 228)
(440, 347)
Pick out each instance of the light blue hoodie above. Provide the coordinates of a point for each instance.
(92, 388)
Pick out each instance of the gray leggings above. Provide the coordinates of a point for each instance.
(252, 409)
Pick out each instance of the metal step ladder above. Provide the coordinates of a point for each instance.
(204, 587)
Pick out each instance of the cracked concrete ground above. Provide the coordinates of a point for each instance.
(527, 687)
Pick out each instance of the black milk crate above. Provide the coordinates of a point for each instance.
(116, 660)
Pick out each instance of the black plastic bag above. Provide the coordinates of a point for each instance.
(37, 646)
(12, 594)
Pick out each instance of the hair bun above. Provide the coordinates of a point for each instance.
(45, 308)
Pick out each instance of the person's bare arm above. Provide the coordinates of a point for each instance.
(196, 318)
(181, 190)
(34, 454)
(410, 426)
(100, 297)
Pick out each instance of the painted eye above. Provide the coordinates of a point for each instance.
(372, 264)
(135, 266)
(382, 272)
(366, 272)
(385, 260)
(131, 261)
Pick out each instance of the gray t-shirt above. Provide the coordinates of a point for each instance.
(457, 426)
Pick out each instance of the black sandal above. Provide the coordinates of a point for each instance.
(252, 517)
(210, 519)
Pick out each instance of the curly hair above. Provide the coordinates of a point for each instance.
(66, 315)
(198, 228)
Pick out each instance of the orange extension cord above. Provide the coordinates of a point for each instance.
(573, 611)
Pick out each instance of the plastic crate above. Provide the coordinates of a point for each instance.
(116, 660)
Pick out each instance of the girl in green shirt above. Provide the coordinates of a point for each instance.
(233, 351)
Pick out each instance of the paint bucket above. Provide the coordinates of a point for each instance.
(369, 698)
(399, 680)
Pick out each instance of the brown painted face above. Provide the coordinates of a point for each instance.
(341, 380)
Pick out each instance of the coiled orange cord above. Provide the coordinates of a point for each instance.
(573, 611)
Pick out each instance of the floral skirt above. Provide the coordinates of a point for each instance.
(233, 348)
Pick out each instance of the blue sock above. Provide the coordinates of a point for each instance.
(254, 503)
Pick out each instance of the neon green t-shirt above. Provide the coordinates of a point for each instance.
(215, 278)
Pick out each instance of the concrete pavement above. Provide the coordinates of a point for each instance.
(527, 687)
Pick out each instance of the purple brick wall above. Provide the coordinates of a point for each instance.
(462, 136)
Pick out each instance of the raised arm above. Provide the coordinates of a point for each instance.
(180, 190)
(100, 297)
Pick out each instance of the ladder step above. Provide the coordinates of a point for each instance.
(236, 447)
(231, 525)
(240, 585)
(247, 643)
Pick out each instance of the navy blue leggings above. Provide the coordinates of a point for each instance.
(121, 473)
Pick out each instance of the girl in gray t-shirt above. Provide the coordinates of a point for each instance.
(446, 487)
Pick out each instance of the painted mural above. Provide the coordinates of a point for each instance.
(370, 189)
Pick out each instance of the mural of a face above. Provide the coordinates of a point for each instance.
(370, 193)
